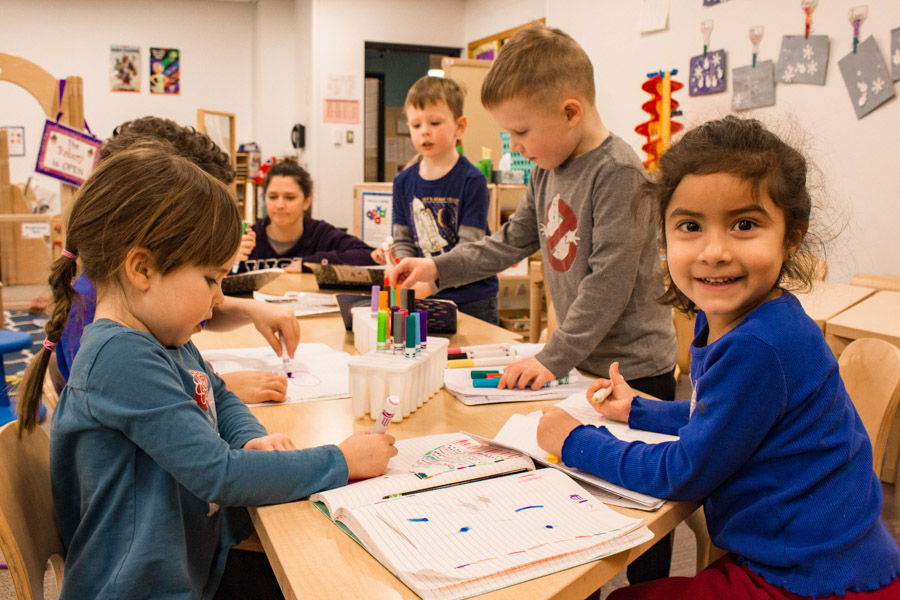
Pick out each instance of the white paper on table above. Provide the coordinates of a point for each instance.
(317, 371)
(302, 303)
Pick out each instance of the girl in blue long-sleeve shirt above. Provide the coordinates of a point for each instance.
(770, 440)
(152, 459)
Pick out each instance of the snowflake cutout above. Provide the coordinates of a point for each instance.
(738, 100)
(698, 72)
(808, 52)
(801, 68)
(812, 68)
(788, 75)
(878, 85)
(716, 60)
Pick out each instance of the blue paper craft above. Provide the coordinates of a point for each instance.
(803, 60)
(754, 87)
(707, 74)
(895, 52)
(866, 77)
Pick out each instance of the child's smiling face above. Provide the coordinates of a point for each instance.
(725, 248)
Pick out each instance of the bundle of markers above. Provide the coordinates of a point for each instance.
(490, 379)
(486, 355)
(401, 328)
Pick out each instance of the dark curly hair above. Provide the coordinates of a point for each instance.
(747, 150)
(187, 141)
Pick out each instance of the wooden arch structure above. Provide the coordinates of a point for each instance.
(13, 207)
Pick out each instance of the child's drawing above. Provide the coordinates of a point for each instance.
(803, 60)
(461, 454)
(707, 74)
(754, 86)
(866, 77)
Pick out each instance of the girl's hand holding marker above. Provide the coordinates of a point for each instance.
(611, 397)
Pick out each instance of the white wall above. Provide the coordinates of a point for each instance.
(215, 39)
(485, 19)
(858, 158)
(340, 29)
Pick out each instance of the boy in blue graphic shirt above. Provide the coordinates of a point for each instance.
(442, 200)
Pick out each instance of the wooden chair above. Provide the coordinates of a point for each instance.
(870, 369)
(879, 282)
(28, 533)
(707, 552)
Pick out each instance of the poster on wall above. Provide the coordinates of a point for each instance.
(376, 217)
(165, 72)
(67, 154)
(895, 53)
(15, 140)
(707, 73)
(803, 60)
(124, 69)
(754, 86)
(866, 77)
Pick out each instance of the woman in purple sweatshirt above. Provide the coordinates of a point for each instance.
(288, 233)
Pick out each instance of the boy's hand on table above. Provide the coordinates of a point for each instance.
(274, 441)
(378, 256)
(270, 320)
(248, 243)
(367, 454)
(253, 387)
(525, 372)
(617, 405)
(553, 429)
(411, 271)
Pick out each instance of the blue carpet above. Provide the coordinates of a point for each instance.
(15, 362)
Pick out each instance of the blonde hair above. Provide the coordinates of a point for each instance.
(540, 63)
(432, 90)
(146, 196)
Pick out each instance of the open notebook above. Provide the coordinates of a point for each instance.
(459, 534)
(520, 433)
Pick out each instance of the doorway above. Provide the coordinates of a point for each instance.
(391, 69)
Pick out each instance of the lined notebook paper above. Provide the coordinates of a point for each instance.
(520, 433)
(467, 539)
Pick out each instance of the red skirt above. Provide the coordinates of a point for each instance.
(726, 579)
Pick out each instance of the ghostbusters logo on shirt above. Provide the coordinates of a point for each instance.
(559, 231)
(201, 389)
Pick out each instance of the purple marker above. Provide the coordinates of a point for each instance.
(423, 327)
(376, 290)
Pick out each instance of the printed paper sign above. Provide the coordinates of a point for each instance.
(376, 217)
(67, 154)
(35, 231)
(15, 140)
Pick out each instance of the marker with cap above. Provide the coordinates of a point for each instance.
(482, 354)
(486, 374)
(492, 382)
(381, 340)
(383, 300)
(376, 292)
(423, 327)
(410, 336)
(493, 361)
(391, 404)
(398, 332)
(460, 349)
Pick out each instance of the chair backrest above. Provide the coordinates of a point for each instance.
(870, 369)
(28, 533)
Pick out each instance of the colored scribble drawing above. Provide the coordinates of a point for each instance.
(462, 454)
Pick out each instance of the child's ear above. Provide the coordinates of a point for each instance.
(139, 266)
(461, 124)
(573, 110)
(793, 239)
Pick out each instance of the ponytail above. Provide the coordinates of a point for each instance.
(62, 274)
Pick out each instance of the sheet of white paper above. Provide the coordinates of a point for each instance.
(302, 303)
(654, 15)
(317, 371)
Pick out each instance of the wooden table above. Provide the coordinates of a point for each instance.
(877, 316)
(313, 558)
(827, 299)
